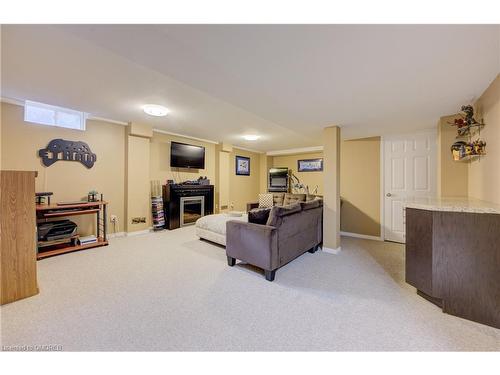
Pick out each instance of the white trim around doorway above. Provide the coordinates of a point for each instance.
(382, 188)
(382, 174)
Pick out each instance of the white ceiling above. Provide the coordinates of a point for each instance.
(285, 82)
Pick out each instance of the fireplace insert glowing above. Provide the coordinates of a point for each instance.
(192, 208)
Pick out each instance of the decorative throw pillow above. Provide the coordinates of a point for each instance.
(259, 215)
(265, 200)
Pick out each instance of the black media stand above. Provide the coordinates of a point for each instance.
(183, 204)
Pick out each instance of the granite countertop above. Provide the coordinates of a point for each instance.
(453, 205)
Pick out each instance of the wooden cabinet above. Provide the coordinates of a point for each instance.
(453, 259)
(419, 250)
(18, 235)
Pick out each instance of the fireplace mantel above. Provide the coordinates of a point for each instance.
(172, 201)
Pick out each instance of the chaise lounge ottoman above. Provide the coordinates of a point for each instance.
(213, 227)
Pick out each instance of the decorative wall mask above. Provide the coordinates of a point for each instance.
(61, 149)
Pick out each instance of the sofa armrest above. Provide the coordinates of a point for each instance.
(252, 243)
(252, 205)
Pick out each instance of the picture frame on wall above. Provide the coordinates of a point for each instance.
(310, 165)
(242, 166)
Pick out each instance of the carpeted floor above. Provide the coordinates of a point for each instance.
(171, 291)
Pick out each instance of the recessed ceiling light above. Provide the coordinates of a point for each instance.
(155, 110)
(251, 137)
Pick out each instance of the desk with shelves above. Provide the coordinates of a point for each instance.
(45, 212)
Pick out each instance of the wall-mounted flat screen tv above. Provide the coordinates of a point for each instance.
(187, 156)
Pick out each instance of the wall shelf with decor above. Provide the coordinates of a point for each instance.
(465, 148)
(465, 151)
(470, 157)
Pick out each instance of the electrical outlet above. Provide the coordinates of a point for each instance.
(113, 218)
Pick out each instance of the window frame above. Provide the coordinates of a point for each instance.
(57, 110)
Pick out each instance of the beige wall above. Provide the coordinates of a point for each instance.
(243, 189)
(138, 189)
(360, 186)
(266, 162)
(311, 179)
(331, 188)
(452, 175)
(359, 183)
(234, 192)
(484, 174)
(478, 178)
(126, 185)
(68, 180)
(160, 160)
(223, 183)
(128, 158)
(140, 130)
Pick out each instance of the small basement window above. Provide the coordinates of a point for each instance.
(51, 115)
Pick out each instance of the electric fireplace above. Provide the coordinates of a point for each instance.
(192, 208)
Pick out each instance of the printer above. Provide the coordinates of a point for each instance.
(56, 230)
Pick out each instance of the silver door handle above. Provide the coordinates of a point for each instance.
(388, 195)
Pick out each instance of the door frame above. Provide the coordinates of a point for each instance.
(382, 171)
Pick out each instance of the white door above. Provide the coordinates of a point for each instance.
(410, 170)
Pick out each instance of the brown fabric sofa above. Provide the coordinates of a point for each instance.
(290, 231)
(283, 199)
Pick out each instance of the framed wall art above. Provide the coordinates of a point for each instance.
(242, 166)
(310, 165)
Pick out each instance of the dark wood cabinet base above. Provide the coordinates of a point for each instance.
(436, 301)
(453, 259)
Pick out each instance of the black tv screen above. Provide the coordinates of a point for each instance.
(187, 156)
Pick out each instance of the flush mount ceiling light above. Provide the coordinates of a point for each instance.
(155, 110)
(251, 137)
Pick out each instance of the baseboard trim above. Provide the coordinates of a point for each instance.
(330, 250)
(115, 235)
(363, 236)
